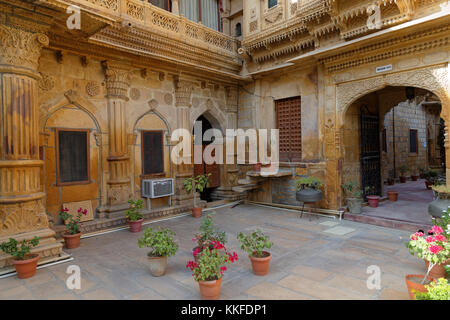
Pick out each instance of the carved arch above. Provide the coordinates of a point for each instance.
(211, 111)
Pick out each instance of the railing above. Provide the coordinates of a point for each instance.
(168, 23)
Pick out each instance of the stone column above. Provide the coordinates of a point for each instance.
(22, 207)
(183, 92)
(119, 181)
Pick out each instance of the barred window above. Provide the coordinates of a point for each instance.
(288, 119)
(413, 141)
(152, 152)
(72, 156)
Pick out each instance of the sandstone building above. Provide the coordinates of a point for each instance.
(88, 113)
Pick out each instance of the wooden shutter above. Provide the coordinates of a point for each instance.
(73, 156)
(288, 113)
(413, 141)
(152, 152)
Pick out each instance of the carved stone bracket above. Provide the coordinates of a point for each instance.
(117, 79)
(183, 92)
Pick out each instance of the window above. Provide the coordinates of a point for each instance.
(272, 3)
(413, 142)
(204, 11)
(152, 152)
(72, 156)
(238, 31)
(164, 4)
(288, 119)
(384, 140)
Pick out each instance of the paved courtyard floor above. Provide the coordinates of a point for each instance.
(319, 258)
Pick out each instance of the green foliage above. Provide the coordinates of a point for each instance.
(210, 265)
(444, 223)
(369, 191)
(439, 290)
(134, 211)
(430, 175)
(198, 183)
(403, 169)
(209, 232)
(254, 243)
(352, 188)
(161, 241)
(19, 249)
(72, 224)
(308, 182)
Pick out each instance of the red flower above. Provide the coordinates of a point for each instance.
(435, 249)
(191, 265)
(233, 257)
(223, 268)
(79, 210)
(85, 211)
(196, 251)
(429, 239)
(418, 234)
(437, 230)
(413, 237)
(440, 237)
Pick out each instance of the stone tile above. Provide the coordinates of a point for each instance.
(315, 274)
(355, 285)
(269, 291)
(15, 293)
(339, 231)
(146, 295)
(100, 294)
(41, 276)
(329, 223)
(64, 296)
(48, 289)
(391, 294)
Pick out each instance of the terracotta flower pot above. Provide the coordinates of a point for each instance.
(438, 270)
(257, 167)
(414, 178)
(157, 265)
(402, 179)
(415, 286)
(261, 265)
(428, 184)
(26, 268)
(196, 212)
(391, 181)
(72, 241)
(210, 290)
(373, 201)
(392, 195)
(136, 226)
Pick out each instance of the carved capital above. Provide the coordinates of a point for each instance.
(21, 48)
(117, 79)
(183, 92)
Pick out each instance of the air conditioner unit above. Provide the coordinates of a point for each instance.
(157, 188)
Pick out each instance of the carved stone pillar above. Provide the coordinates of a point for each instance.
(183, 92)
(175, 7)
(119, 181)
(22, 207)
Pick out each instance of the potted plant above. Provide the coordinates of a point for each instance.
(134, 215)
(194, 184)
(72, 235)
(208, 235)
(254, 244)
(421, 173)
(403, 170)
(430, 177)
(371, 196)
(392, 195)
(437, 290)
(308, 189)
(354, 193)
(391, 178)
(435, 250)
(209, 268)
(414, 175)
(163, 245)
(438, 208)
(24, 262)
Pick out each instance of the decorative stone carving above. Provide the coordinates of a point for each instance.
(92, 88)
(153, 104)
(135, 94)
(22, 217)
(21, 48)
(253, 26)
(47, 82)
(117, 79)
(183, 91)
(98, 138)
(168, 99)
(231, 98)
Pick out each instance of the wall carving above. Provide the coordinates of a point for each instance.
(22, 217)
(183, 91)
(47, 82)
(168, 99)
(135, 94)
(92, 88)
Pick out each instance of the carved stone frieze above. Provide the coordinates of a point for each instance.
(20, 48)
(22, 217)
(92, 88)
(183, 92)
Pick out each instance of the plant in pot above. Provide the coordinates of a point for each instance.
(391, 178)
(439, 290)
(134, 215)
(254, 244)
(414, 175)
(430, 177)
(194, 184)
(422, 173)
(209, 234)
(438, 208)
(162, 244)
(435, 250)
(371, 196)
(308, 189)
(354, 193)
(72, 235)
(24, 262)
(209, 268)
(403, 170)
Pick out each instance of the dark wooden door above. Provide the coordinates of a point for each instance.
(204, 168)
(370, 152)
(288, 114)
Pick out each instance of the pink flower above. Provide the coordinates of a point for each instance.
(233, 257)
(440, 237)
(437, 229)
(418, 234)
(196, 251)
(217, 245)
(429, 239)
(191, 265)
(85, 211)
(413, 237)
(223, 268)
(435, 249)
(79, 210)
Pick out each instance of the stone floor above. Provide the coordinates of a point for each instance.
(321, 258)
(411, 206)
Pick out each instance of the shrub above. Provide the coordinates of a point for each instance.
(160, 240)
(209, 232)
(17, 249)
(254, 243)
(352, 189)
(439, 290)
(198, 183)
(134, 211)
(308, 182)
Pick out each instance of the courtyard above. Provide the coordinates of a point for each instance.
(313, 258)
